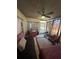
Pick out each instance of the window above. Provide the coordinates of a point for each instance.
(56, 27)
(42, 26)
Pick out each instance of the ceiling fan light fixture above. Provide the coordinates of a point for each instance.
(42, 17)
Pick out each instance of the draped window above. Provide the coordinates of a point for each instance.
(56, 27)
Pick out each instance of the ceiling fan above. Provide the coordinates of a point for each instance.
(44, 14)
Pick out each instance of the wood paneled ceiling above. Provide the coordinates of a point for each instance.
(30, 8)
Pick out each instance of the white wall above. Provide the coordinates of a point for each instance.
(24, 21)
(21, 18)
(18, 26)
(34, 23)
(33, 20)
(20, 15)
(49, 27)
(24, 26)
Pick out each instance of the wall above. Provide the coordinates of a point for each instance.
(33, 20)
(25, 21)
(49, 27)
(20, 15)
(33, 23)
(18, 26)
(25, 26)
(21, 18)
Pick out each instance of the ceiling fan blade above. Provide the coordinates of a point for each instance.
(47, 16)
(49, 13)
